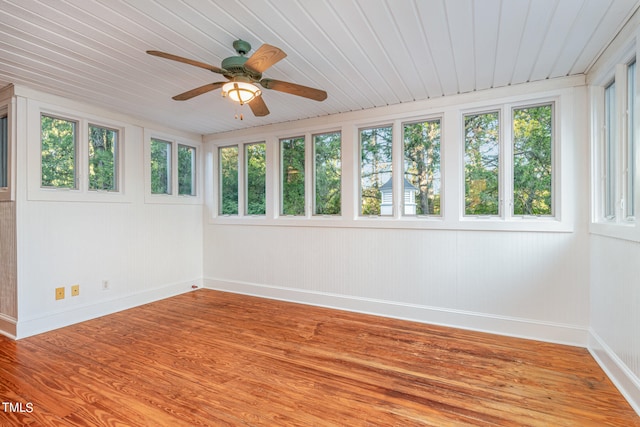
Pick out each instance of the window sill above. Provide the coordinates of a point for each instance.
(621, 231)
(421, 223)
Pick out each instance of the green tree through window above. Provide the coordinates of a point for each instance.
(160, 167)
(328, 173)
(532, 162)
(256, 158)
(481, 164)
(186, 170)
(422, 164)
(375, 167)
(228, 180)
(58, 144)
(102, 158)
(293, 176)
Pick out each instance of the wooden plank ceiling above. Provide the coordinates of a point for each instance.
(364, 53)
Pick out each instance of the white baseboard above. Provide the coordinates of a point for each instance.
(617, 371)
(51, 321)
(501, 325)
(8, 326)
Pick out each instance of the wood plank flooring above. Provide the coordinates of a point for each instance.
(210, 358)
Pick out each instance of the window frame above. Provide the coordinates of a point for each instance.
(281, 175)
(439, 118)
(175, 141)
(555, 202)
(561, 93)
(245, 181)
(314, 179)
(239, 185)
(6, 192)
(82, 192)
(116, 160)
(393, 167)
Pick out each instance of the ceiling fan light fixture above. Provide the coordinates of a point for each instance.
(241, 92)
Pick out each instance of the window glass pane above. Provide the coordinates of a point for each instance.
(58, 152)
(103, 144)
(160, 167)
(376, 186)
(609, 151)
(4, 153)
(292, 173)
(228, 180)
(532, 160)
(256, 157)
(186, 170)
(422, 168)
(481, 164)
(327, 151)
(631, 140)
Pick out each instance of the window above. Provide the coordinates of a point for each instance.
(292, 174)
(103, 146)
(186, 170)
(327, 173)
(610, 151)
(630, 151)
(422, 168)
(58, 152)
(4, 153)
(256, 169)
(160, 166)
(376, 186)
(482, 164)
(228, 180)
(532, 160)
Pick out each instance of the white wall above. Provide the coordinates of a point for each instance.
(527, 278)
(614, 259)
(145, 250)
(615, 311)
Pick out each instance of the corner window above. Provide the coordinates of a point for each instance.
(103, 158)
(59, 148)
(228, 191)
(292, 160)
(482, 164)
(256, 170)
(4, 153)
(421, 189)
(186, 170)
(532, 160)
(376, 185)
(327, 173)
(160, 166)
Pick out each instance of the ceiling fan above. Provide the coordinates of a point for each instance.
(242, 74)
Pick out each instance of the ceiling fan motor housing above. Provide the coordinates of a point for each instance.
(234, 67)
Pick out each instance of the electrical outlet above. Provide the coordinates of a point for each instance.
(60, 293)
(105, 285)
(75, 290)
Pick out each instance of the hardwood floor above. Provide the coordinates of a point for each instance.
(213, 358)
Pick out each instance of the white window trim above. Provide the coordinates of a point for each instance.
(7, 107)
(431, 118)
(566, 95)
(245, 178)
(620, 227)
(174, 197)
(81, 193)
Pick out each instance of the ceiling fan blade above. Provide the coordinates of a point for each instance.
(258, 107)
(264, 58)
(198, 91)
(294, 89)
(186, 61)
